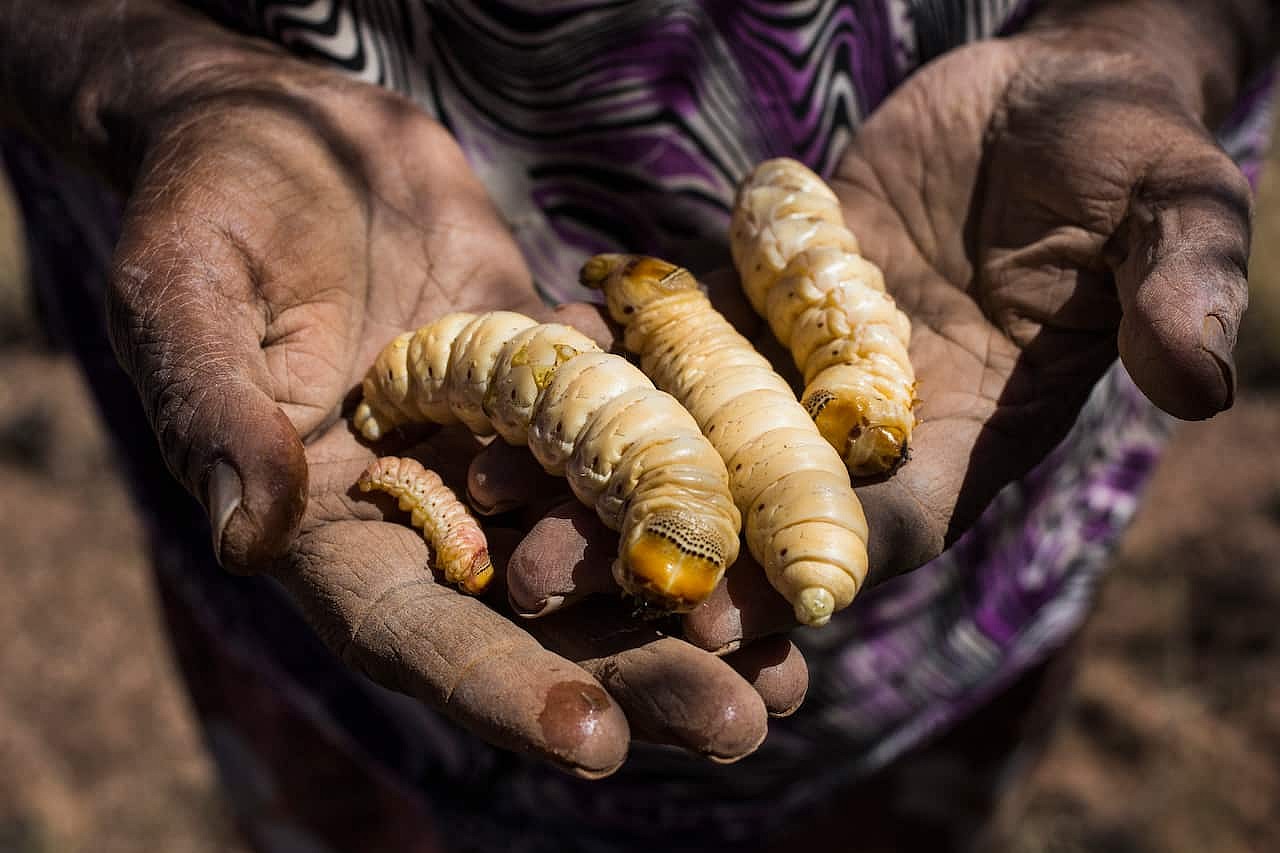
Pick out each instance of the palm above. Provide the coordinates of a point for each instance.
(342, 253)
(351, 236)
(997, 197)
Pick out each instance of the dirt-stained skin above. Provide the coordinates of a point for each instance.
(571, 712)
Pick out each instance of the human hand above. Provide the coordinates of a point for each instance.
(1037, 205)
(284, 224)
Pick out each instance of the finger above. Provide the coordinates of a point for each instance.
(365, 588)
(1182, 282)
(741, 608)
(567, 556)
(502, 478)
(777, 671)
(672, 692)
(187, 328)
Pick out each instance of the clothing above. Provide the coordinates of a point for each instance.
(608, 126)
(598, 125)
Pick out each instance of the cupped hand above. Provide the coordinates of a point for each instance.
(1038, 205)
(281, 230)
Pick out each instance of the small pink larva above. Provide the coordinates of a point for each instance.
(461, 551)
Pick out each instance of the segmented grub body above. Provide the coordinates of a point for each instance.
(628, 450)
(803, 522)
(802, 270)
(461, 551)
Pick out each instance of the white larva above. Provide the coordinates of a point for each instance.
(628, 450)
(802, 270)
(803, 522)
(461, 551)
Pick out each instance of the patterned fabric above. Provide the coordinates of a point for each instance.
(602, 125)
(605, 126)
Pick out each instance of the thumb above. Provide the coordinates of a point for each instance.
(1182, 278)
(185, 326)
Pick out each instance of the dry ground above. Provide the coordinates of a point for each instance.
(1171, 745)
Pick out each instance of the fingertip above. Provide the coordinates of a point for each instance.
(1186, 368)
(256, 492)
(716, 624)
(740, 730)
(1182, 279)
(565, 557)
(583, 729)
(678, 695)
(777, 670)
(672, 693)
(742, 607)
(533, 700)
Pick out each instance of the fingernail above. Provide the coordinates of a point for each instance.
(550, 604)
(726, 648)
(738, 751)
(1214, 340)
(225, 491)
(787, 712)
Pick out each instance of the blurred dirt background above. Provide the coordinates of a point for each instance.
(1171, 744)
